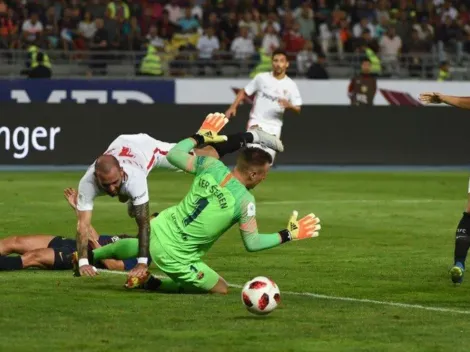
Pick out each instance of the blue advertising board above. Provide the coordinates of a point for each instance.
(106, 91)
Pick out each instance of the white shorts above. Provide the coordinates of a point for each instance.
(267, 127)
(148, 151)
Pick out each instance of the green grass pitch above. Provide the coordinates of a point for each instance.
(386, 237)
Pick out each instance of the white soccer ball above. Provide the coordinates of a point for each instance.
(261, 295)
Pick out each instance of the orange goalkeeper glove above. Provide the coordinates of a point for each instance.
(211, 126)
(307, 227)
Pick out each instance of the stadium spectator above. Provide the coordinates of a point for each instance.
(51, 29)
(100, 44)
(382, 27)
(196, 10)
(248, 22)
(318, 69)
(213, 22)
(424, 29)
(242, 46)
(444, 72)
(32, 29)
(153, 39)
(404, 27)
(284, 8)
(306, 58)
(416, 48)
(118, 8)
(293, 40)
(135, 35)
(151, 64)
(345, 39)
(8, 30)
(175, 12)
(96, 8)
(229, 28)
(111, 25)
(360, 27)
(271, 40)
(165, 27)
(325, 37)
(68, 29)
(448, 10)
(382, 10)
(322, 13)
(87, 29)
(188, 23)
(41, 68)
(449, 35)
(390, 47)
(208, 45)
(305, 6)
(307, 25)
(271, 20)
(3, 8)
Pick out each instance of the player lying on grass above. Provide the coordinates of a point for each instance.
(218, 198)
(54, 252)
(462, 235)
(122, 171)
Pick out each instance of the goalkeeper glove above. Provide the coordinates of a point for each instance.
(307, 227)
(211, 126)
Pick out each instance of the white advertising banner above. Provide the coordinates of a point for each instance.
(316, 92)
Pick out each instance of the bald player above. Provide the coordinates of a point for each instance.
(122, 172)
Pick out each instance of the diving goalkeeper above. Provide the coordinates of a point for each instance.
(218, 198)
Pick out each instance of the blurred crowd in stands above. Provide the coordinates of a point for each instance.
(310, 31)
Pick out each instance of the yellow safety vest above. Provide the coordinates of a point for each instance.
(151, 63)
(376, 65)
(443, 75)
(112, 10)
(265, 64)
(34, 51)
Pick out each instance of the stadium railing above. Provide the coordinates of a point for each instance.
(122, 64)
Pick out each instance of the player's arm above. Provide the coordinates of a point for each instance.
(70, 195)
(250, 89)
(459, 102)
(86, 194)
(254, 241)
(438, 98)
(294, 103)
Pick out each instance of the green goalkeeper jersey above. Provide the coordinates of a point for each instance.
(215, 202)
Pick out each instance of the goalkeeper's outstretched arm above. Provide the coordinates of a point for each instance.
(307, 227)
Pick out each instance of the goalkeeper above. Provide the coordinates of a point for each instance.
(218, 198)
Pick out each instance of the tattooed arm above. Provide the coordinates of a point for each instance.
(142, 218)
(83, 234)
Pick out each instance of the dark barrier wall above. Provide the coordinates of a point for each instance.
(74, 134)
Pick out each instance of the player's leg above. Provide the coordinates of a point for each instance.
(20, 244)
(43, 258)
(126, 248)
(462, 244)
(184, 278)
(272, 130)
(123, 249)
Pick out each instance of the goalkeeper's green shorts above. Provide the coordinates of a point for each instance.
(193, 273)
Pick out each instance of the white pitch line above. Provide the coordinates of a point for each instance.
(344, 299)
